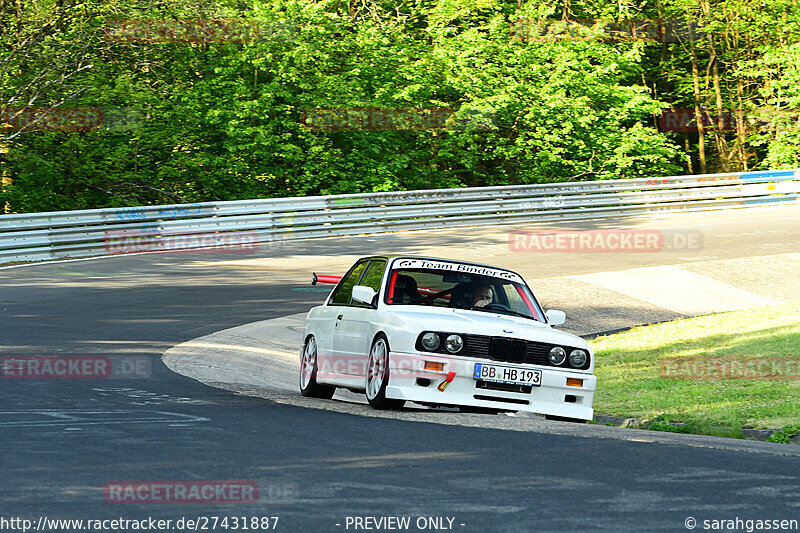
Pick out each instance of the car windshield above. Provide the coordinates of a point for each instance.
(447, 287)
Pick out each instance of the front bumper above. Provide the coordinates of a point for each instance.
(407, 377)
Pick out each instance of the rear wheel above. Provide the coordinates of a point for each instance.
(308, 373)
(378, 376)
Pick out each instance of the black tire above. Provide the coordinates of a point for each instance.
(378, 376)
(308, 373)
(565, 419)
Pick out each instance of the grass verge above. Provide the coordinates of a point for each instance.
(739, 369)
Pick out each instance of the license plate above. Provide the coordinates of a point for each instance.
(508, 374)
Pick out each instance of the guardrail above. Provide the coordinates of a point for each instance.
(246, 224)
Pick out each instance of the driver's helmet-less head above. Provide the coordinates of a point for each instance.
(481, 294)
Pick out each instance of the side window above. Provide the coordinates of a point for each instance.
(345, 290)
(372, 278)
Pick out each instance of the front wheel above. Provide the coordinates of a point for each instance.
(378, 376)
(308, 373)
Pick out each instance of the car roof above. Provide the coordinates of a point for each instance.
(426, 258)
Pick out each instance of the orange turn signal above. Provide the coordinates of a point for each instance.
(574, 382)
(430, 365)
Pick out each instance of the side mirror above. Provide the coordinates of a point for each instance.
(364, 294)
(554, 317)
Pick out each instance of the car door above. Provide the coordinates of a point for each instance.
(353, 335)
(330, 364)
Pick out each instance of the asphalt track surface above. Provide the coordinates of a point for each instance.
(62, 441)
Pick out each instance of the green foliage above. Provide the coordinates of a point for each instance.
(669, 428)
(785, 435)
(221, 120)
(664, 423)
(695, 427)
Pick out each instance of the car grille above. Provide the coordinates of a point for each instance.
(508, 350)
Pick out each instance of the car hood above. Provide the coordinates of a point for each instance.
(483, 323)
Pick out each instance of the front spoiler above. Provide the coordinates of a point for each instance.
(553, 397)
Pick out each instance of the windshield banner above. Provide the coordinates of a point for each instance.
(456, 267)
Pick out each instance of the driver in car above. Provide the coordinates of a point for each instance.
(481, 295)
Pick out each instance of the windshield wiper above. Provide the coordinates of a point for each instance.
(502, 311)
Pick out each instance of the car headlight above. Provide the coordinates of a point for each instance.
(557, 355)
(454, 343)
(577, 358)
(430, 341)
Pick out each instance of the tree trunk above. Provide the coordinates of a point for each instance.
(5, 178)
(687, 147)
(719, 130)
(698, 116)
(740, 126)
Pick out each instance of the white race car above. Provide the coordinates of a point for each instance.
(444, 333)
